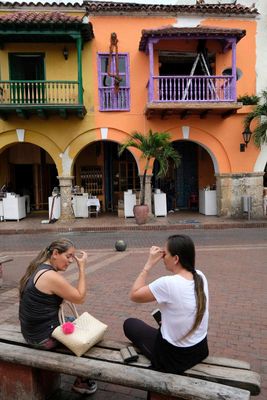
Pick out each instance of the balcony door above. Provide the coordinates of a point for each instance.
(24, 70)
(178, 67)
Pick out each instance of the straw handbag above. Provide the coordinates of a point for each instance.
(85, 330)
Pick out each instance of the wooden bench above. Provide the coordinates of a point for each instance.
(25, 372)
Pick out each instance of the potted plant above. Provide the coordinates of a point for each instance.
(248, 100)
(157, 146)
(260, 114)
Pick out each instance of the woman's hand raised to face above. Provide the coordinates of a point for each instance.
(155, 255)
(81, 258)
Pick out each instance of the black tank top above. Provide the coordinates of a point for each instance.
(38, 311)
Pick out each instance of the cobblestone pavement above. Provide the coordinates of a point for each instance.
(134, 239)
(234, 261)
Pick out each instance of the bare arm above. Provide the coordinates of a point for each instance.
(140, 292)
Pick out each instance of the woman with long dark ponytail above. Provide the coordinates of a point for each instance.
(181, 341)
(42, 289)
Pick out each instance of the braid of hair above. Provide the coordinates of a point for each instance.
(200, 300)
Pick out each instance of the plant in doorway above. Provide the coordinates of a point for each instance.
(153, 146)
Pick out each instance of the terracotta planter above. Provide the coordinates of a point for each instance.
(141, 213)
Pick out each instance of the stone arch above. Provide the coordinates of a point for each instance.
(9, 138)
(206, 140)
(100, 134)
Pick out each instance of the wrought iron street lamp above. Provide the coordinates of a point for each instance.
(66, 53)
(247, 135)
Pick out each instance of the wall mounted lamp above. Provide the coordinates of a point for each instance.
(66, 53)
(246, 136)
(85, 19)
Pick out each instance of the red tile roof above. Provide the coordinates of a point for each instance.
(106, 7)
(225, 9)
(30, 17)
(199, 31)
(16, 4)
(38, 21)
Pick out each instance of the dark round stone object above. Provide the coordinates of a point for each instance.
(120, 245)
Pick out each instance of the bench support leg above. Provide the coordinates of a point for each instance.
(19, 382)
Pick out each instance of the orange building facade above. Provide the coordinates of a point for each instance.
(71, 93)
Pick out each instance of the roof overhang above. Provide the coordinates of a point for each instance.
(43, 27)
(200, 32)
(183, 110)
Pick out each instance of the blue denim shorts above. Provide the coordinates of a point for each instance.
(49, 343)
(46, 344)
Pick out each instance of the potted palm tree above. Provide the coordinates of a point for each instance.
(157, 146)
(260, 114)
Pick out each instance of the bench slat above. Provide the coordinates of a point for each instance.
(226, 362)
(244, 379)
(100, 353)
(104, 354)
(5, 259)
(130, 376)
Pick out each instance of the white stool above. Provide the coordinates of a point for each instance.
(93, 210)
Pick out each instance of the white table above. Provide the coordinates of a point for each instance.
(129, 203)
(94, 202)
(208, 202)
(160, 206)
(55, 212)
(80, 206)
(14, 207)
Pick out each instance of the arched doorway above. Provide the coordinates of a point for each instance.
(27, 169)
(182, 184)
(102, 173)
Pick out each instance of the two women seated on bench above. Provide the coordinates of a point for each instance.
(42, 290)
(181, 341)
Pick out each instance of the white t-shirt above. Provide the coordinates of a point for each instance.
(177, 302)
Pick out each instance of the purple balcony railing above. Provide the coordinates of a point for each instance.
(112, 101)
(196, 88)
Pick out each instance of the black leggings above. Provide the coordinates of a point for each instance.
(163, 355)
(141, 335)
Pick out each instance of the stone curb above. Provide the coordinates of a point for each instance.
(147, 227)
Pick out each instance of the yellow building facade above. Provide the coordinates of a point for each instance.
(70, 95)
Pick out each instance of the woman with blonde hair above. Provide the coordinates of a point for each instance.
(181, 341)
(42, 290)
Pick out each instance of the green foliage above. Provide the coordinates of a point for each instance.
(154, 145)
(249, 99)
(260, 115)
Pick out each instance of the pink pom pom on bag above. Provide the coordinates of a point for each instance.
(68, 327)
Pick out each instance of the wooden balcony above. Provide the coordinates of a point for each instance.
(191, 95)
(42, 98)
(111, 101)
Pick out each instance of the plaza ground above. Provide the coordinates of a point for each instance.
(233, 259)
